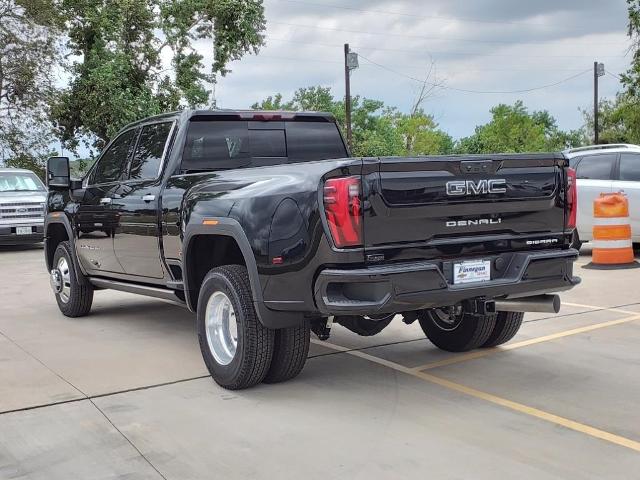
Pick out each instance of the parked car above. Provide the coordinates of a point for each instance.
(262, 224)
(605, 169)
(22, 200)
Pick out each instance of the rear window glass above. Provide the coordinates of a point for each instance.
(630, 167)
(267, 143)
(215, 145)
(596, 167)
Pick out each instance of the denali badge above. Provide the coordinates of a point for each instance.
(477, 221)
(543, 241)
(480, 187)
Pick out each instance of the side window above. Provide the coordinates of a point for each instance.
(596, 167)
(630, 167)
(113, 161)
(147, 157)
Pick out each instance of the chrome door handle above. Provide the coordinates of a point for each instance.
(148, 198)
(105, 201)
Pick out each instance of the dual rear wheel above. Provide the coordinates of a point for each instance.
(238, 350)
(456, 331)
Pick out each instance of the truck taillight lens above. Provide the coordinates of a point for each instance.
(343, 207)
(572, 198)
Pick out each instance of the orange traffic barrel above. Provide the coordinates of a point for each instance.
(612, 245)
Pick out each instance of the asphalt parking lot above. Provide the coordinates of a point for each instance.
(123, 393)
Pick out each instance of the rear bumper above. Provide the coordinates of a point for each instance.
(413, 286)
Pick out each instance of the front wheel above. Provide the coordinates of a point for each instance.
(236, 348)
(454, 330)
(74, 295)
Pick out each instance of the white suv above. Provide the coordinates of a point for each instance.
(606, 169)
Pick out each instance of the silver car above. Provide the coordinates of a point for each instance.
(606, 169)
(22, 202)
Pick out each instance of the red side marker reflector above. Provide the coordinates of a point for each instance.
(277, 260)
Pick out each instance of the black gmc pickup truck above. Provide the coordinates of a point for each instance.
(262, 224)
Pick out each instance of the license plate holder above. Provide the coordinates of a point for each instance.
(24, 231)
(471, 271)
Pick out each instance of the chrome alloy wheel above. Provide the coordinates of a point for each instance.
(447, 319)
(60, 279)
(221, 328)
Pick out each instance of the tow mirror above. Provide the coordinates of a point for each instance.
(58, 175)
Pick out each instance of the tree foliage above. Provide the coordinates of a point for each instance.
(514, 129)
(28, 54)
(378, 130)
(619, 118)
(135, 58)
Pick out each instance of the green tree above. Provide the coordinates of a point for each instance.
(122, 49)
(513, 129)
(619, 118)
(421, 135)
(28, 55)
(377, 130)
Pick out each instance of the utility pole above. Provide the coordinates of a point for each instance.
(347, 95)
(350, 63)
(598, 71)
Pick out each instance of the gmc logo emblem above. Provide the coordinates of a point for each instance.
(479, 187)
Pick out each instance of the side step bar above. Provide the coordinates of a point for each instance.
(155, 292)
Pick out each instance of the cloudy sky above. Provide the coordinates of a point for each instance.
(481, 45)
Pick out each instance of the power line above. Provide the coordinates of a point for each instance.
(614, 75)
(413, 15)
(464, 90)
(438, 52)
(403, 35)
(414, 67)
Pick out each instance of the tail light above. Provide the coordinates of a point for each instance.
(343, 207)
(572, 198)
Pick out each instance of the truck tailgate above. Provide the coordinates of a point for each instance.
(429, 201)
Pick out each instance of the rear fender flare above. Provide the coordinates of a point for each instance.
(225, 227)
(231, 228)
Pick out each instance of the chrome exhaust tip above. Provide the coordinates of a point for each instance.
(538, 303)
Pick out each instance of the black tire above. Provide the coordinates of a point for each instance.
(290, 351)
(575, 241)
(466, 333)
(79, 298)
(254, 349)
(506, 327)
(365, 327)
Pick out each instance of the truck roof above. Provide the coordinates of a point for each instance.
(610, 147)
(239, 114)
